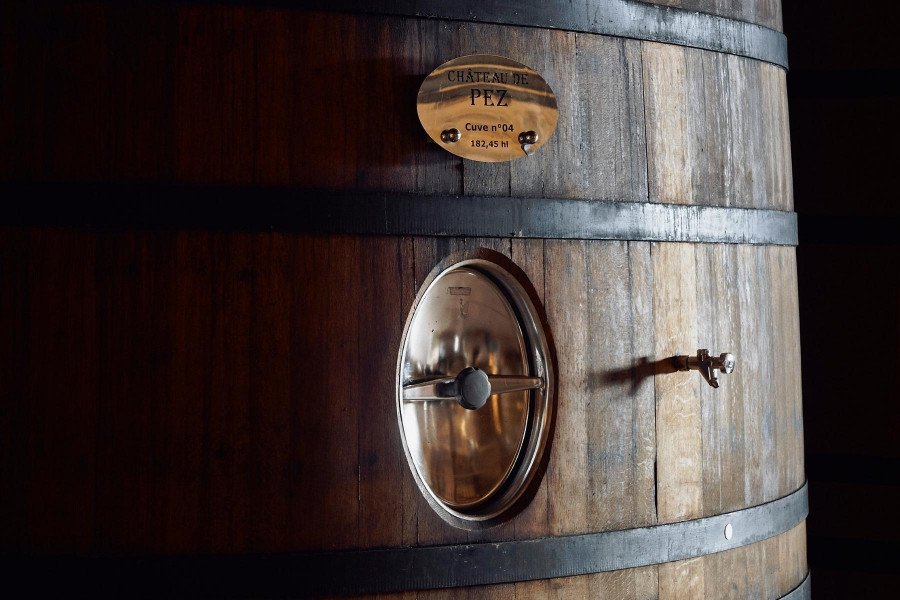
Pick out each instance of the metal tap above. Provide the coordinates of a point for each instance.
(706, 364)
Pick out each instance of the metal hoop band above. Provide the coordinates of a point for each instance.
(636, 20)
(801, 592)
(398, 569)
(355, 213)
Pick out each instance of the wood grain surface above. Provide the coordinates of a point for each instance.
(206, 392)
(717, 130)
(235, 95)
(219, 369)
(762, 12)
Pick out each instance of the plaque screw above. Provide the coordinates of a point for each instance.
(528, 137)
(729, 532)
(450, 136)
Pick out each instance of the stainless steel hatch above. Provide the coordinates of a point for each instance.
(474, 389)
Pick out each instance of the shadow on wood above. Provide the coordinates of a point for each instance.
(642, 369)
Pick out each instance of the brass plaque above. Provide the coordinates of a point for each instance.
(487, 108)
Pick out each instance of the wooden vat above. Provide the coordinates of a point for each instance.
(207, 369)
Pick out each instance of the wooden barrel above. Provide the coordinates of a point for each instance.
(224, 213)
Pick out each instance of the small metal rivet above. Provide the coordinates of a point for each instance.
(528, 137)
(450, 136)
(729, 532)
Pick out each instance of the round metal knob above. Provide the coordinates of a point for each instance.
(472, 388)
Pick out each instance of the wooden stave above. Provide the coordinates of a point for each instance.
(177, 89)
(125, 263)
(761, 12)
(136, 530)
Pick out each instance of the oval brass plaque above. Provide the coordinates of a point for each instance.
(487, 108)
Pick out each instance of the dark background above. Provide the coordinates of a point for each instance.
(845, 132)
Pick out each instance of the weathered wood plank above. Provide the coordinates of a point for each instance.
(12, 79)
(745, 172)
(381, 460)
(771, 565)
(59, 349)
(273, 80)
(14, 424)
(725, 575)
(607, 137)
(533, 521)
(679, 467)
(134, 337)
(792, 567)
(766, 379)
(384, 123)
(567, 303)
(411, 501)
(618, 416)
(666, 113)
(756, 379)
(719, 317)
(215, 84)
(715, 451)
(270, 376)
(53, 139)
(643, 389)
(325, 345)
(682, 580)
(716, 129)
(779, 182)
(754, 564)
(608, 418)
(772, 13)
(788, 432)
(791, 323)
(228, 439)
(761, 12)
(707, 129)
(185, 414)
(678, 414)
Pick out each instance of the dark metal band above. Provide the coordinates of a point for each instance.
(397, 569)
(621, 18)
(356, 213)
(372, 571)
(801, 592)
